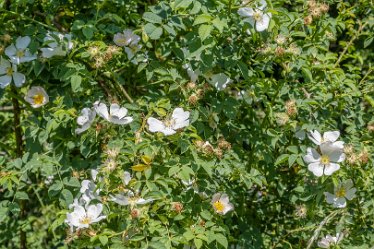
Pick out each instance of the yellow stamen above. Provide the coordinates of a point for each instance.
(9, 71)
(257, 16)
(86, 220)
(169, 122)
(20, 53)
(38, 99)
(219, 206)
(340, 192)
(325, 160)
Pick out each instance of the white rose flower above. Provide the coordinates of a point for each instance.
(9, 72)
(179, 119)
(82, 217)
(342, 193)
(256, 17)
(37, 96)
(20, 53)
(329, 241)
(85, 120)
(129, 199)
(129, 41)
(58, 44)
(89, 191)
(219, 81)
(328, 137)
(116, 115)
(221, 203)
(325, 163)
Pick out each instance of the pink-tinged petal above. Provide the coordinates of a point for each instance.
(155, 125)
(19, 79)
(315, 136)
(331, 168)
(312, 156)
(23, 42)
(331, 136)
(316, 168)
(11, 50)
(216, 197)
(5, 80)
(224, 198)
(228, 207)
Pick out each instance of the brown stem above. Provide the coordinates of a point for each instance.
(19, 153)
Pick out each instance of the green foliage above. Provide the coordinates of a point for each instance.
(255, 97)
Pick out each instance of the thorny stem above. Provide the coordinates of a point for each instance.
(361, 27)
(19, 152)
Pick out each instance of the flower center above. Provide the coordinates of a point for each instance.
(38, 99)
(169, 123)
(218, 205)
(325, 160)
(20, 53)
(9, 71)
(257, 16)
(86, 220)
(340, 192)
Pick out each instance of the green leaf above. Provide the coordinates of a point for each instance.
(281, 159)
(21, 196)
(182, 4)
(204, 31)
(55, 188)
(152, 17)
(153, 31)
(198, 243)
(307, 74)
(221, 240)
(76, 81)
(203, 18)
(103, 239)
(66, 197)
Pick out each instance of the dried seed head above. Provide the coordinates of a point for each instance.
(370, 127)
(76, 174)
(99, 62)
(312, 3)
(301, 211)
(6, 38)
(200, 93)
(348, 149)
(93, 51)
(291, 108)
(138, 138)
(315, 12)
(279, 51)
(135, 213)
(281, 39)
(193, 99)
(281, 118)
(223, 144)
(352, 159)
(112, 153)
(324, 8)
(218, 152)
(110, 165)
(191, 85)
(364, 156)
(308, 20)
(177, 207)
(91, 233)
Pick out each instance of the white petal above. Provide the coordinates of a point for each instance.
(348, 184)
(350, 194)
(155, 125)
(262, 5)
(228, 207)
(5, 80)
(329, 198)
(122, 121)
(94, 173)
(181, 118)
(312, 156)
(224, 198)
(331, 136)
(120, 199)
(315, 136)
(95, 210)
(27, 57)
(340, 202)
(316, 168)
(168, 131)
(331, 168)
(129, 52)
(126, 178)
(246, 12)
(102, 110)
(334, 153)
(116, 110)
(11, 50)
(23, 42)
(263, 24)
(19, 79)
(216, 197)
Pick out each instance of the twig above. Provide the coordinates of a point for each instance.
(19, 153)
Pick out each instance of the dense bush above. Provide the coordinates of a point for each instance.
(186, 124)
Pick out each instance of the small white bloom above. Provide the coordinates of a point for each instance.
(329, 240)
(20, 53)
(221, 203)
(89, 191)
(116, 115)
(58, 44)
(219, 81)
(126, 178)
(94, 173)
(327, 163)
(49, 180)
(9, 72)
(342, 193)
(82, 217)
(37, 96)
(194, 75)
(129, 199)
(85, 120)
(129, 40)
(179, 119)
(256, 17)
(328, 137)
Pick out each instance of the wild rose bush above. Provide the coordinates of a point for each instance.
(186, 124)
